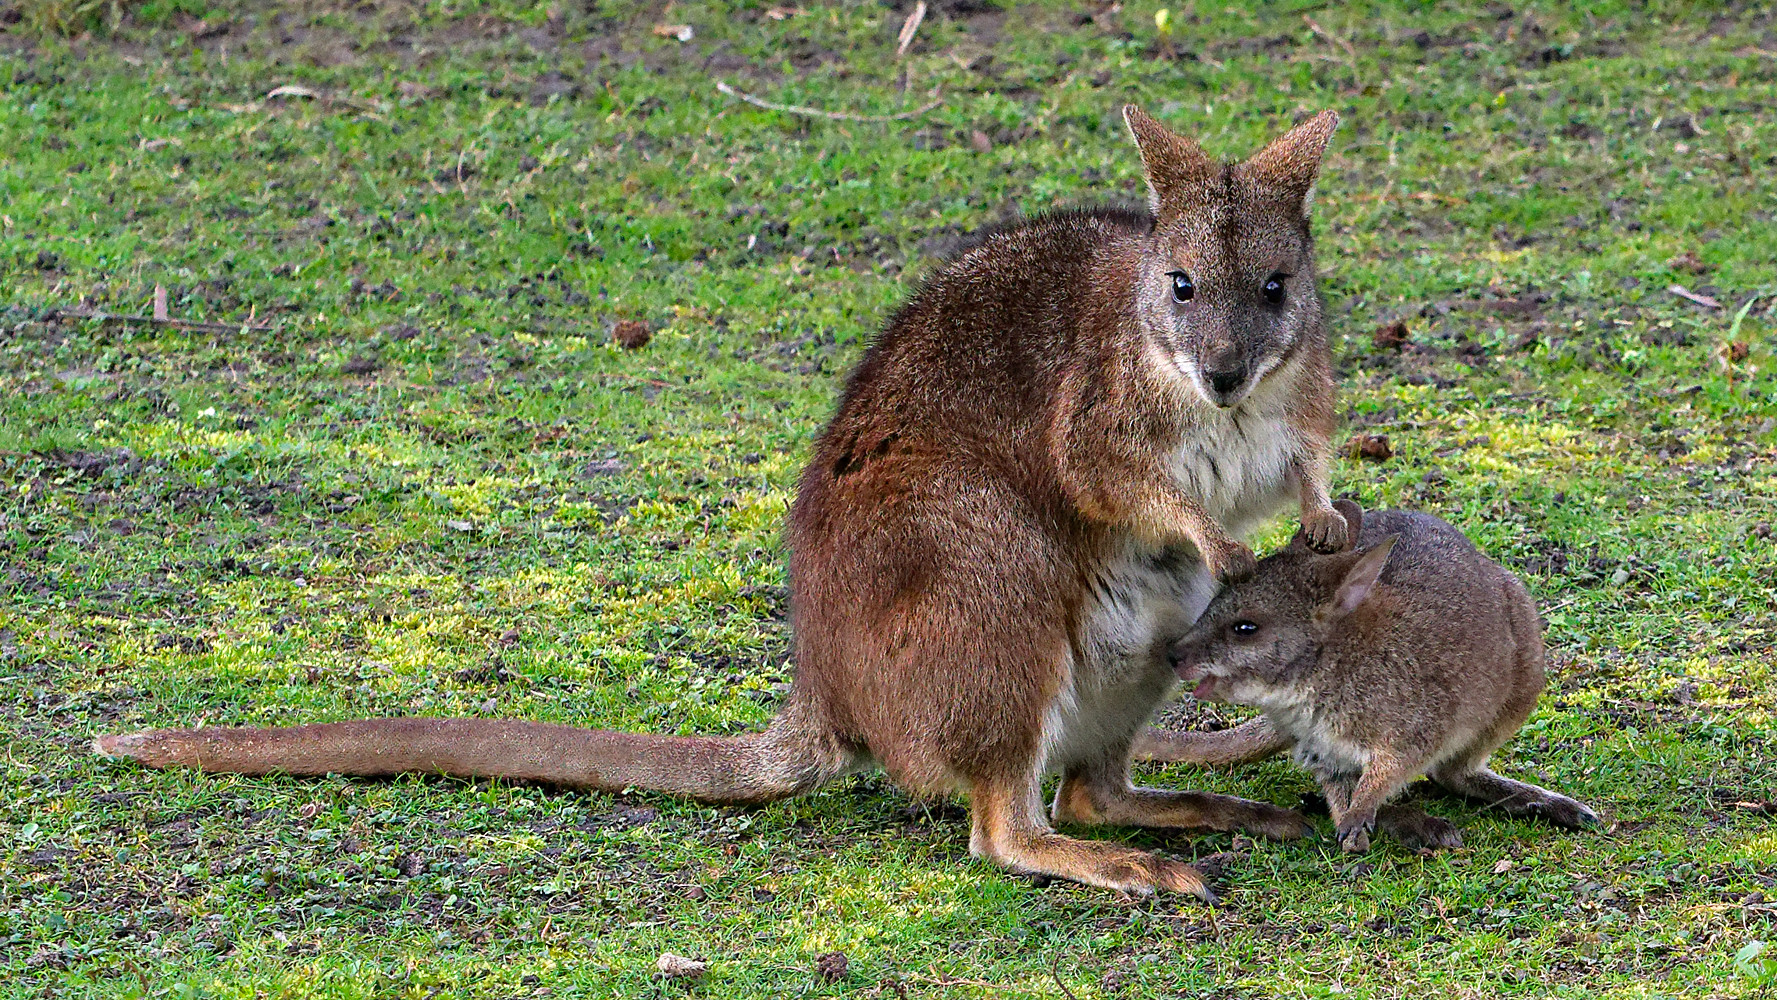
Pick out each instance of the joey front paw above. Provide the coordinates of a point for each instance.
(1326, 530)
(1354, 834)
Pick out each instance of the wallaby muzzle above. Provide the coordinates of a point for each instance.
(1223, 372)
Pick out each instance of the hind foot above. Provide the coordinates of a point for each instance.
(1417, 830)
(1518, 798)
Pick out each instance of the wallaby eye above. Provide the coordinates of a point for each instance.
(1244, 629)
(1274, 289)
(1182, 289)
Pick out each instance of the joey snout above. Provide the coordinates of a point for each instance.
(1194, 668)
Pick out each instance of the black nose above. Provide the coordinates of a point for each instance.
(1226, 381)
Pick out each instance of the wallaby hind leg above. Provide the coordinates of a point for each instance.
(1515, 798)
(1100, 793)
(1009, 829)
(1384, 775)
(1250, 741)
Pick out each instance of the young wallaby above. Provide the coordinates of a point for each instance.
(1011, 513)
(1411, 654)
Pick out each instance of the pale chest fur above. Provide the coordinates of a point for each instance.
(1138, 602)
(1320, 746)
(1238, 464)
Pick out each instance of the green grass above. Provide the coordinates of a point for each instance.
(433, 485)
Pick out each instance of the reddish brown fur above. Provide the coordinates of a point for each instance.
(1004, 522)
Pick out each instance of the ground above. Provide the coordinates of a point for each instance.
(411, 470)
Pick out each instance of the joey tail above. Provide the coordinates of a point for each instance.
(1250, 741)
(793, 755)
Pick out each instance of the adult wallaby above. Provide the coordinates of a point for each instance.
(1413, 654)
(1010, 515)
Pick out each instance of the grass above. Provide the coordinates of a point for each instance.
(432, 484)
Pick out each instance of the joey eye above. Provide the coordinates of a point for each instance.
(1274, 289)
(1244, 629)
(1182, 289)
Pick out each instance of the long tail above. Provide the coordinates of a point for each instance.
(1251, 740)
(793, 755)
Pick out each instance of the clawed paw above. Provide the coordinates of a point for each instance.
(1354, 838)
(1231, 562)
(1326, 530)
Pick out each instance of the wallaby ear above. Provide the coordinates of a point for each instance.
(1360, 579)
(1292, 160)
(1173, 163)
(1354, 520)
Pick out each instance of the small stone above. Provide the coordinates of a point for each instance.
(679, 967)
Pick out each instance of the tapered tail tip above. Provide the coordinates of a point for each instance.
(120, 745)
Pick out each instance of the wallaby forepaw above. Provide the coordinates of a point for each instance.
(1230, 562)
(1326, 530)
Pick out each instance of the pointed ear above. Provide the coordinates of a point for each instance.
(1174, 164)
(1290, 163)
(1359, 580)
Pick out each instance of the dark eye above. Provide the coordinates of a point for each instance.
(1274, 289)
(1182, 289)
(1244, 629)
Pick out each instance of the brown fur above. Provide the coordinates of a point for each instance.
(1006, 520)
(1412, 654)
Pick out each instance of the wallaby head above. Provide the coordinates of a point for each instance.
(1227, 285)
(1258, 638)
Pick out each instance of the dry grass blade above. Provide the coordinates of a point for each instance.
(1703, 300)
(842, 116)
(182, 324)
(909, 28)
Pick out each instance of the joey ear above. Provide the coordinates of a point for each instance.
(1360, 579)
(1173, 163)
(1289, 164)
